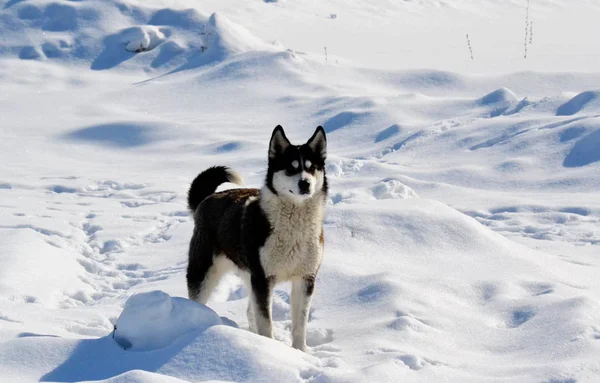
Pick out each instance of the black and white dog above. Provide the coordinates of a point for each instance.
(267, 235)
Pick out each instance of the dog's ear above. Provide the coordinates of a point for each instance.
(318, 142)
(279, 142)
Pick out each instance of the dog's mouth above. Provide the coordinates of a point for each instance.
(301, 194)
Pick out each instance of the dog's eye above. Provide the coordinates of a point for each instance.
(295, 164)
(307, 164)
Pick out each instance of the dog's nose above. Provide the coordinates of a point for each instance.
(304, 186)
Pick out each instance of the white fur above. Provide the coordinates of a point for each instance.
(292, 251)
(300, 303)
(234, 177)
(287, 186)
(221, 265)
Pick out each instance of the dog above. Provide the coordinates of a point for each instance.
(268, 235)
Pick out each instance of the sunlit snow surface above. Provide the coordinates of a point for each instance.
(462, 228)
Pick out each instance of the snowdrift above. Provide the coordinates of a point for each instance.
(439, 281)
(209, 351)
(113, 34)
(110, 108)
(154, 320)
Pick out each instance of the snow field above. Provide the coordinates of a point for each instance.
(462, 225)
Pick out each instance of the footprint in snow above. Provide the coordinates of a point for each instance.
(520, 316)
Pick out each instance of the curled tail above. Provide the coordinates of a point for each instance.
(207, 182)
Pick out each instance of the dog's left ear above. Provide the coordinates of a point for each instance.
(318, 142)
(279, 142)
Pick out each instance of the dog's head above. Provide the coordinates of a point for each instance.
(297, 172)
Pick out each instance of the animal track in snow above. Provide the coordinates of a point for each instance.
(317, 337)
(100, 246)
(520, 316)
(537, 289)
(409, 360)
(568, 223)
(405, 322)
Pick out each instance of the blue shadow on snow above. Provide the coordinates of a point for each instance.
(114, 52)
(116, 134)
(204, 354)
(584, 152)
(100, 359)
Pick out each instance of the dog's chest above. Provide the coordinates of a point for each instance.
(292, 250)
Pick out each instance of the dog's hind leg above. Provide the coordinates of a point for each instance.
(261, 298)
(302, 290)
(206, 278)
(249, 311)
(204, 269)
(251, 316)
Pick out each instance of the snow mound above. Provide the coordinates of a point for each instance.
(101, 33)
(106, 33)
(583, 101)
(392, 189)
(154, 320)
(220, 353)
(499, 100)
(502, 95)
(141, 39)
(223, 39)
(585, 151)
(141, 376)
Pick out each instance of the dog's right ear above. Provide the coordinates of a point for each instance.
(279, 142)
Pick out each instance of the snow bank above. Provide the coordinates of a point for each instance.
(588, 101)
(154, 320)
(103, 34)
(140, 376)
(106, 33)
(585, 151)
(433, 281)
(219, 353)
(223, 37)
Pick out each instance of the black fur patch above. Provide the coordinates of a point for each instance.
(310, 285)
(205, 184)
(199, 262)
(227, 223)
(262, 288)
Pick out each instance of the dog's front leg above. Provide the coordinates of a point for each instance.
(302, 290)
(261, 298)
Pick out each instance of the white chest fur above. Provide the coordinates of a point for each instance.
(293, 249)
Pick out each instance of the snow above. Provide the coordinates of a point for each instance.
(154, 320)
(138, 39)
(462, 229)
